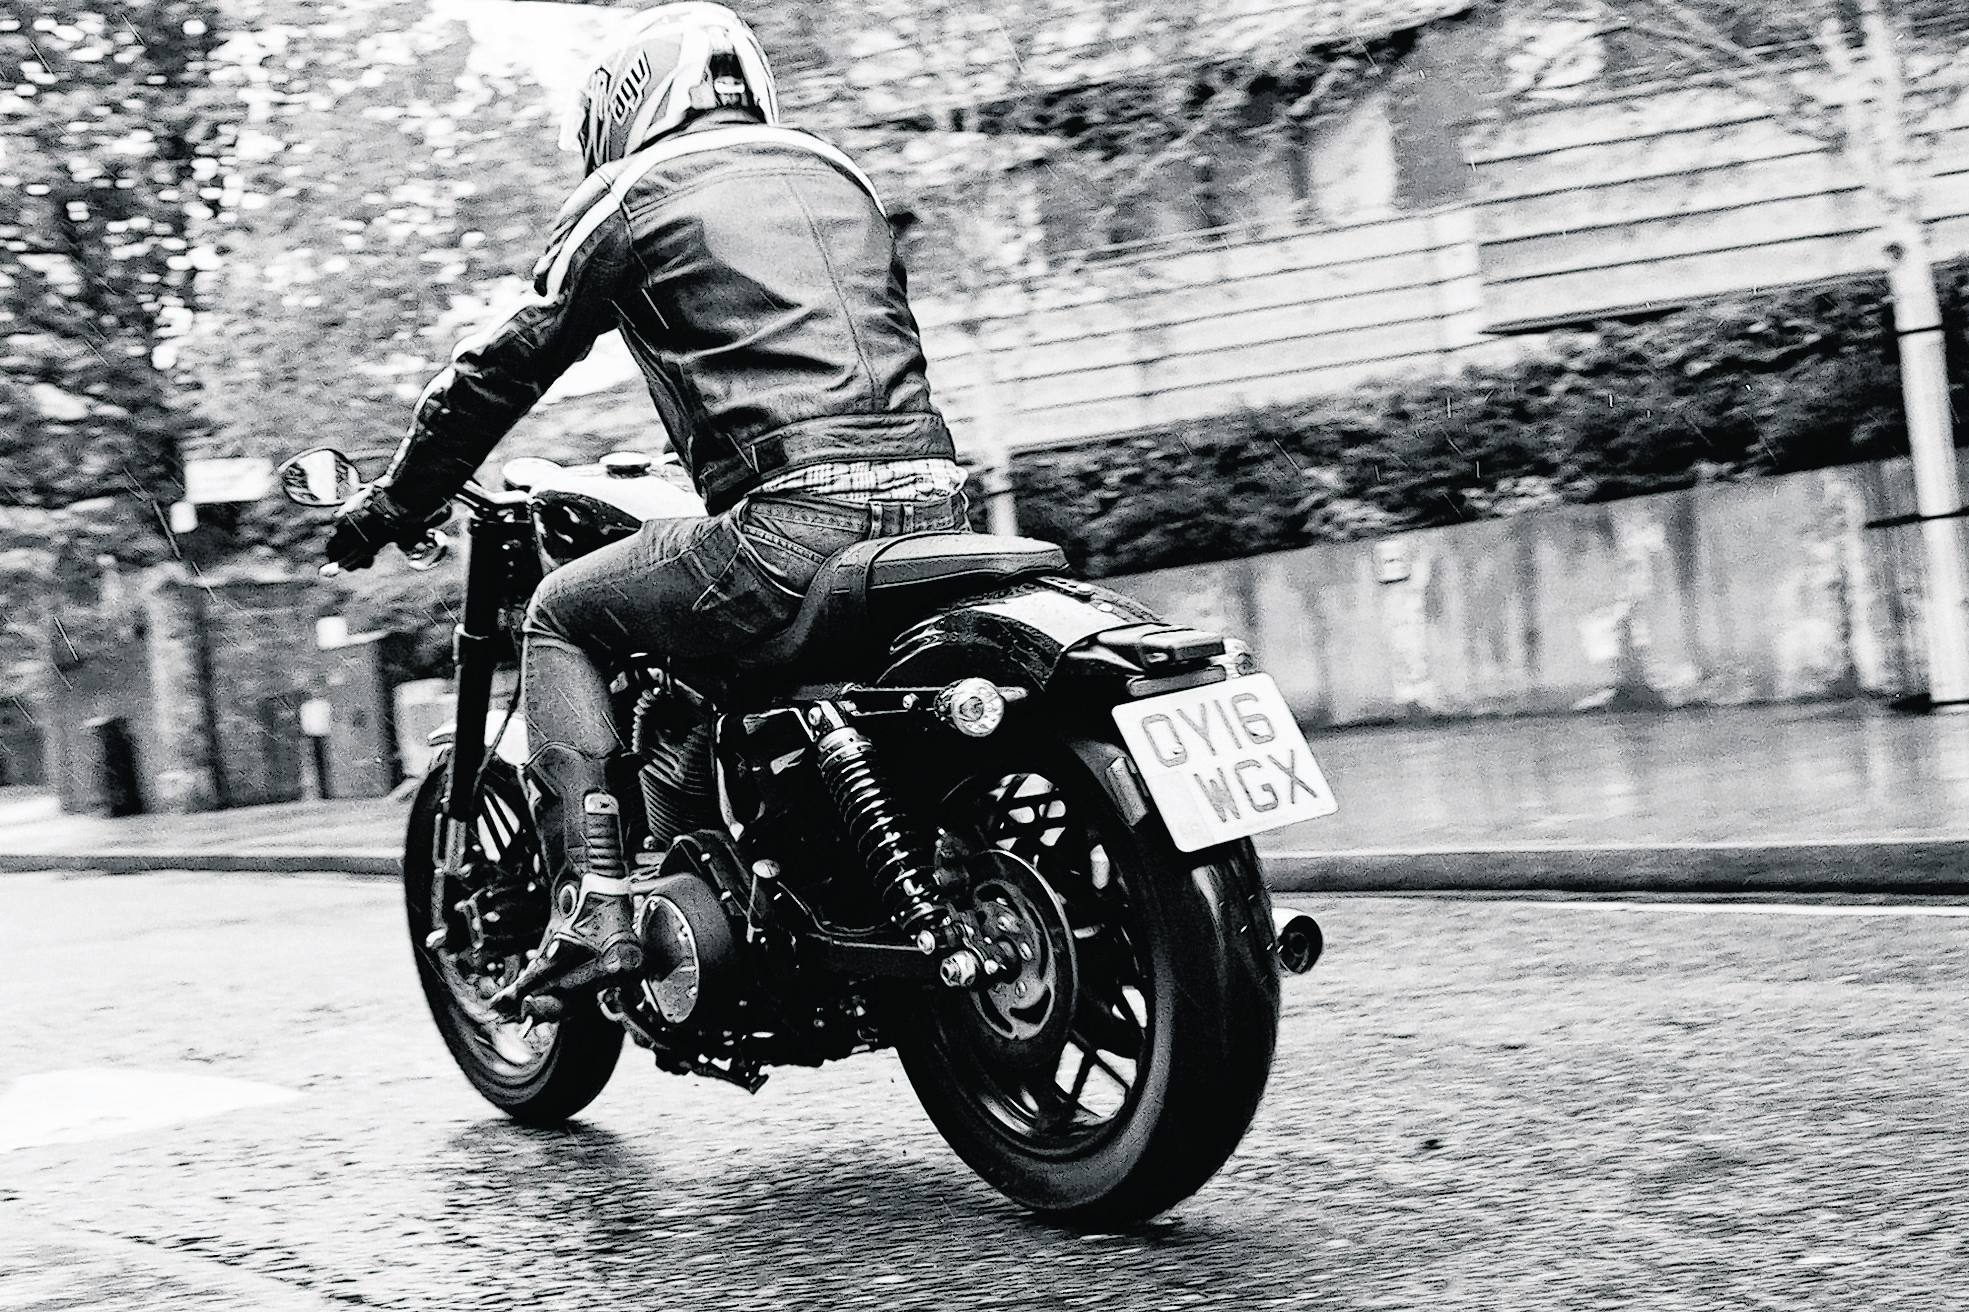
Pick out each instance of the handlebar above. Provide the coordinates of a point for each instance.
(423, 554)
(323, 478)
(476, 496)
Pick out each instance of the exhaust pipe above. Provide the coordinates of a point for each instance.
(1299, 940)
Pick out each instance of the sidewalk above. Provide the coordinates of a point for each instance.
(1826, 797)
(1830, 797)
(355, 836)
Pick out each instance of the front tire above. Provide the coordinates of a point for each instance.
(538, 1076)
(1149, 1080)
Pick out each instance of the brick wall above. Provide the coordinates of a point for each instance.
(207, 682)
(260, 657)
(111, 683)
(20, 744)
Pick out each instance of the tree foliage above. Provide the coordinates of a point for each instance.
(366, 192)
(381, 199)
(1789, 58)
(101, 160)
(98, 186)
(1036, 136)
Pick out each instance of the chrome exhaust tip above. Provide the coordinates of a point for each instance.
(1300, 941)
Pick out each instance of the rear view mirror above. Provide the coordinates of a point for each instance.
(321, 477)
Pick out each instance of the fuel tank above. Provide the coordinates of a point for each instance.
(578, 508)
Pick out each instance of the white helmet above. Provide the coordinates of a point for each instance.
(674, 61)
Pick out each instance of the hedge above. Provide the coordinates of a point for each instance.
(1732, 389)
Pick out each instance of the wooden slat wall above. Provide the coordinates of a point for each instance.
(1581, 211)
(1627, 205)
(1190, 333)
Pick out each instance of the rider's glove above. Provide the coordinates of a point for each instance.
(371, 521)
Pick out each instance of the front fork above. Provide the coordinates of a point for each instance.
(475, 655)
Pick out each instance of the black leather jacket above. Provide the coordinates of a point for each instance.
(753, 276)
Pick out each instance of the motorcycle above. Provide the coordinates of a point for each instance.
(965, 806)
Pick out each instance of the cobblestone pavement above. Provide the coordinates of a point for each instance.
(1477, 1104)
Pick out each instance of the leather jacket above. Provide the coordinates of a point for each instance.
(753, 277)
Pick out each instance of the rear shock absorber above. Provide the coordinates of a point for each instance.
(893, 852)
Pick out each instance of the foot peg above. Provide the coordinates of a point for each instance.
(563, 967)
(543, 1007)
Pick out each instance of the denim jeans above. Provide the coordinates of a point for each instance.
(685, 588)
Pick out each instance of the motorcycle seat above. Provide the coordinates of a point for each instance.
(865, 594)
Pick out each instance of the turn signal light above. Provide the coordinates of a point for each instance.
(973, 707)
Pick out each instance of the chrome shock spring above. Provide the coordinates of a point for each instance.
(889, 846)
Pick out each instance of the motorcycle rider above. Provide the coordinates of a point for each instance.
(752, 273)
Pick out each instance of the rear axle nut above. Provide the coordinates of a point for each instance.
(960, 969)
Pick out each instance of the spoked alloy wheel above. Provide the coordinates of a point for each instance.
(541, 1073)
(1057, 1047)
(1117, 1070)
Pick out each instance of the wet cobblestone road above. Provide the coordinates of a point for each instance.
(1477, 1104)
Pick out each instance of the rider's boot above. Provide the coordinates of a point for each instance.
(592, 933)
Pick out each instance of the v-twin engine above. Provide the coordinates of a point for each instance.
(672, 738)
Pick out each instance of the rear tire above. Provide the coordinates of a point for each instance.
(538, 1078)
(1147, 1084)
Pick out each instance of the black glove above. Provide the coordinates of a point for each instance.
(370, 522)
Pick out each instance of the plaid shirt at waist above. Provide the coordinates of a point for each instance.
(857, 480)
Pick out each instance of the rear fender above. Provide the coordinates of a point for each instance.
(1234, 884)
(1020, 635)
(1229, 880)
(1110, 766)
(1083, 648)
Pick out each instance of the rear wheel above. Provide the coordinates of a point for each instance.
(1115, 1074)
(541, 1073)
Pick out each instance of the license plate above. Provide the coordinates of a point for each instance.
(1224, 761)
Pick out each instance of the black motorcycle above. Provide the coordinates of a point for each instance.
(964, 805)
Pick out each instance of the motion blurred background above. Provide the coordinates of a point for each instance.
(1471, 358)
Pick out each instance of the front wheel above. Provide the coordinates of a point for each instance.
(1118, 1071)
(539, 1074)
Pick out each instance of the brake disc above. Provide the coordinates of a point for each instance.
(1023, 1019)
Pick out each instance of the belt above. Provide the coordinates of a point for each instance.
(874, 518)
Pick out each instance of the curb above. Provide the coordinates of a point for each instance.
(1928, 866)
(374, 863)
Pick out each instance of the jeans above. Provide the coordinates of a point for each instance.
(685, 587)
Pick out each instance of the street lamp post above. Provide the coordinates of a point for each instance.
(1875, 101)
